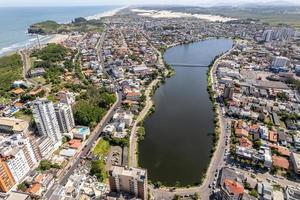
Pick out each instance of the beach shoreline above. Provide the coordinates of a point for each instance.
(45, 39)
(105, 14)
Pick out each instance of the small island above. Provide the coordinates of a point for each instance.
(79, 24)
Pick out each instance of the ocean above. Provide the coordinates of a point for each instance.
(14, 22)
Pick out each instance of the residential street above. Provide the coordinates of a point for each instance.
(133, 138)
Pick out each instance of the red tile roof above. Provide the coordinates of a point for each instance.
(241, 132)
(245, 142)
(281, 162)
(234, 187)
(74, 144)
(273, 136)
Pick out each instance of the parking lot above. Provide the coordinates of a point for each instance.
(114, 156)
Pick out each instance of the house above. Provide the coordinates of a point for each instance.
(74, 144)
(240, 132)
(245, 142)
(231, 183)
(275, 119)
(133, 96)
(282, 138)
(264, 132)
(39, 71)
(290, 124)
(281, 162)
(273, 136)
(265, 191)
(17, 91)
(281, 150)
(232, 189)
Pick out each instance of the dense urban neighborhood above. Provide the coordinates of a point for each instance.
(72, 112)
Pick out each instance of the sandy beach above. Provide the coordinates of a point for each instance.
(170, 14)
(105, 14)
(58, 38)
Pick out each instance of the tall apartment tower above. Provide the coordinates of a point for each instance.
(46, 121)
(64, 117)
(7, 180)
(128, 180)
(18, 155)
(280, 61)
(228, 91)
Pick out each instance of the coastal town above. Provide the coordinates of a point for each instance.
(73, 110)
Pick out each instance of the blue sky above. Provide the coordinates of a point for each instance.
(129, 2)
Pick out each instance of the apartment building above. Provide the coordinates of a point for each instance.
(64, 117)
(18, 154)
(7, 180)
(11, 126)
(295, 157)
(46, 121)
(128, 180)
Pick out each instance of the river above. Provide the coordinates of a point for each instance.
(179, 133)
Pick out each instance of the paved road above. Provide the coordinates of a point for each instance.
(283, 182)
(89, 145)
(133, 138)
(26, 66)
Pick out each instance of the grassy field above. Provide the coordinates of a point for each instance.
(10, 71)
(101, 148)
(22, 115)
(98, 166)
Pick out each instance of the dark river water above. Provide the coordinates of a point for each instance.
(179, 133)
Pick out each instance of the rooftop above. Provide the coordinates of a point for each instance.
(136, 173)
(16, 125)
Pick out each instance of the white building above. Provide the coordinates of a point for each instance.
(267, 35)
(18, 155)
(65, 117)
(295, 157)
(46, 146)
(280, 61)
(12, 125)
(46, 121)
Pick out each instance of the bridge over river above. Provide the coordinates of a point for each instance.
(187, 65)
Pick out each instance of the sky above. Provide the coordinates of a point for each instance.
(19, 3)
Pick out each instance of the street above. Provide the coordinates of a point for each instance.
(89, 145)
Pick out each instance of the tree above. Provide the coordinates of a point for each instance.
(157, 184)
(141, 133)
(46, 165)
(254, 193)
(98, 170)
(87, 114)
(196, 196)
(106, 100)
(257, 144)
(22, 187)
